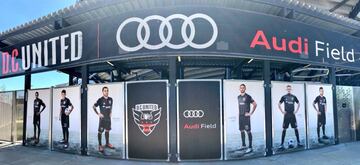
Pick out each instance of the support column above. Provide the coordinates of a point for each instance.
(332, 78)
(180, 71)
(27, 86)
(268, 110)
(85, 81)
(227, 73)
(172, 109)
(71, 80)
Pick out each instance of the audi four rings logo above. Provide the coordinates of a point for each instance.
(193, 113)
(165, 40)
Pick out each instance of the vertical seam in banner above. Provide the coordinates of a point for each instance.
(126, 121)
(221, 120)
(51, 109)
(167, 118)
(307, 139)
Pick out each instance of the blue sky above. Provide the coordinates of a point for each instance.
(17, 12)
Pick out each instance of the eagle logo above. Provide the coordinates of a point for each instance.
(146, 117)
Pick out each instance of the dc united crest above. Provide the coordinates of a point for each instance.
(146, 117)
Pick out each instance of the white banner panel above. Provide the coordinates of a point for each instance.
(315, 119)
(116, 133)
(279, 90)
(74, 95)
(33, 105)
(233, 139)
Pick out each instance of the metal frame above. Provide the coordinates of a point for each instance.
(221, 117)
(167, 115)
(12, 114)
(52, 91)
(225, 123)
(15, 110)
(307, 110)
(274, 108)
(50, 113)
(124, 108)
(353, 124)
(356, 114)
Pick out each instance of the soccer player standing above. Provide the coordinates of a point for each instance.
(66, 108)
(105, 105)
(289, 101)
(244, 101)
(321, 113)
(38, 103)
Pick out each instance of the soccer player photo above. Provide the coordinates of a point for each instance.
(289, 100)
(39, 107)
(66, 108)
(288, 111)
(37, 133)
(244, 119)
(105, 120)
(320, 114)
(66, 121)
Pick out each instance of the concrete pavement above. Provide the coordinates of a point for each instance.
(342, 154)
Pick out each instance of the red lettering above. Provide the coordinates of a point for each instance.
(297, 46)
(306, 46)
(297, 43)
(14, 63)
(276, 47)
(260, 34)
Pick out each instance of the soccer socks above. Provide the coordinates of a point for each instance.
(67, 135)
(297, 136)
(318, 132)
(323, 129)
(99, 138)
(64, 136)
(283, 136)
(107, 137)
(35, 131)
(38, 132)
(250, 139)
(243, 138)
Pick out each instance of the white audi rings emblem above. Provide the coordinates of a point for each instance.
(193, 113)
(165, 40)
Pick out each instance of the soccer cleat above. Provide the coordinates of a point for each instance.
(325, 137)
(101, 149)
(300, 145)
(319, 140)
(249, 150)
(62, 141)
(110, 146)
(281, 147)
(66, 146)
(36, 141)
(242, 148)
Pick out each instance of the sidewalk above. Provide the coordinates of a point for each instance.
(343, 154)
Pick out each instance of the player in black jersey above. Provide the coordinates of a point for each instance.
(289, 101)
(38, 104)
(105, 105)
(244, 102)
(321, 111)
(66, 108)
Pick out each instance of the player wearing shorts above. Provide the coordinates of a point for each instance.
(321, 113)
(38, 103)
(66, 108)
(105, 105)
(244, 102)
(289, 101)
